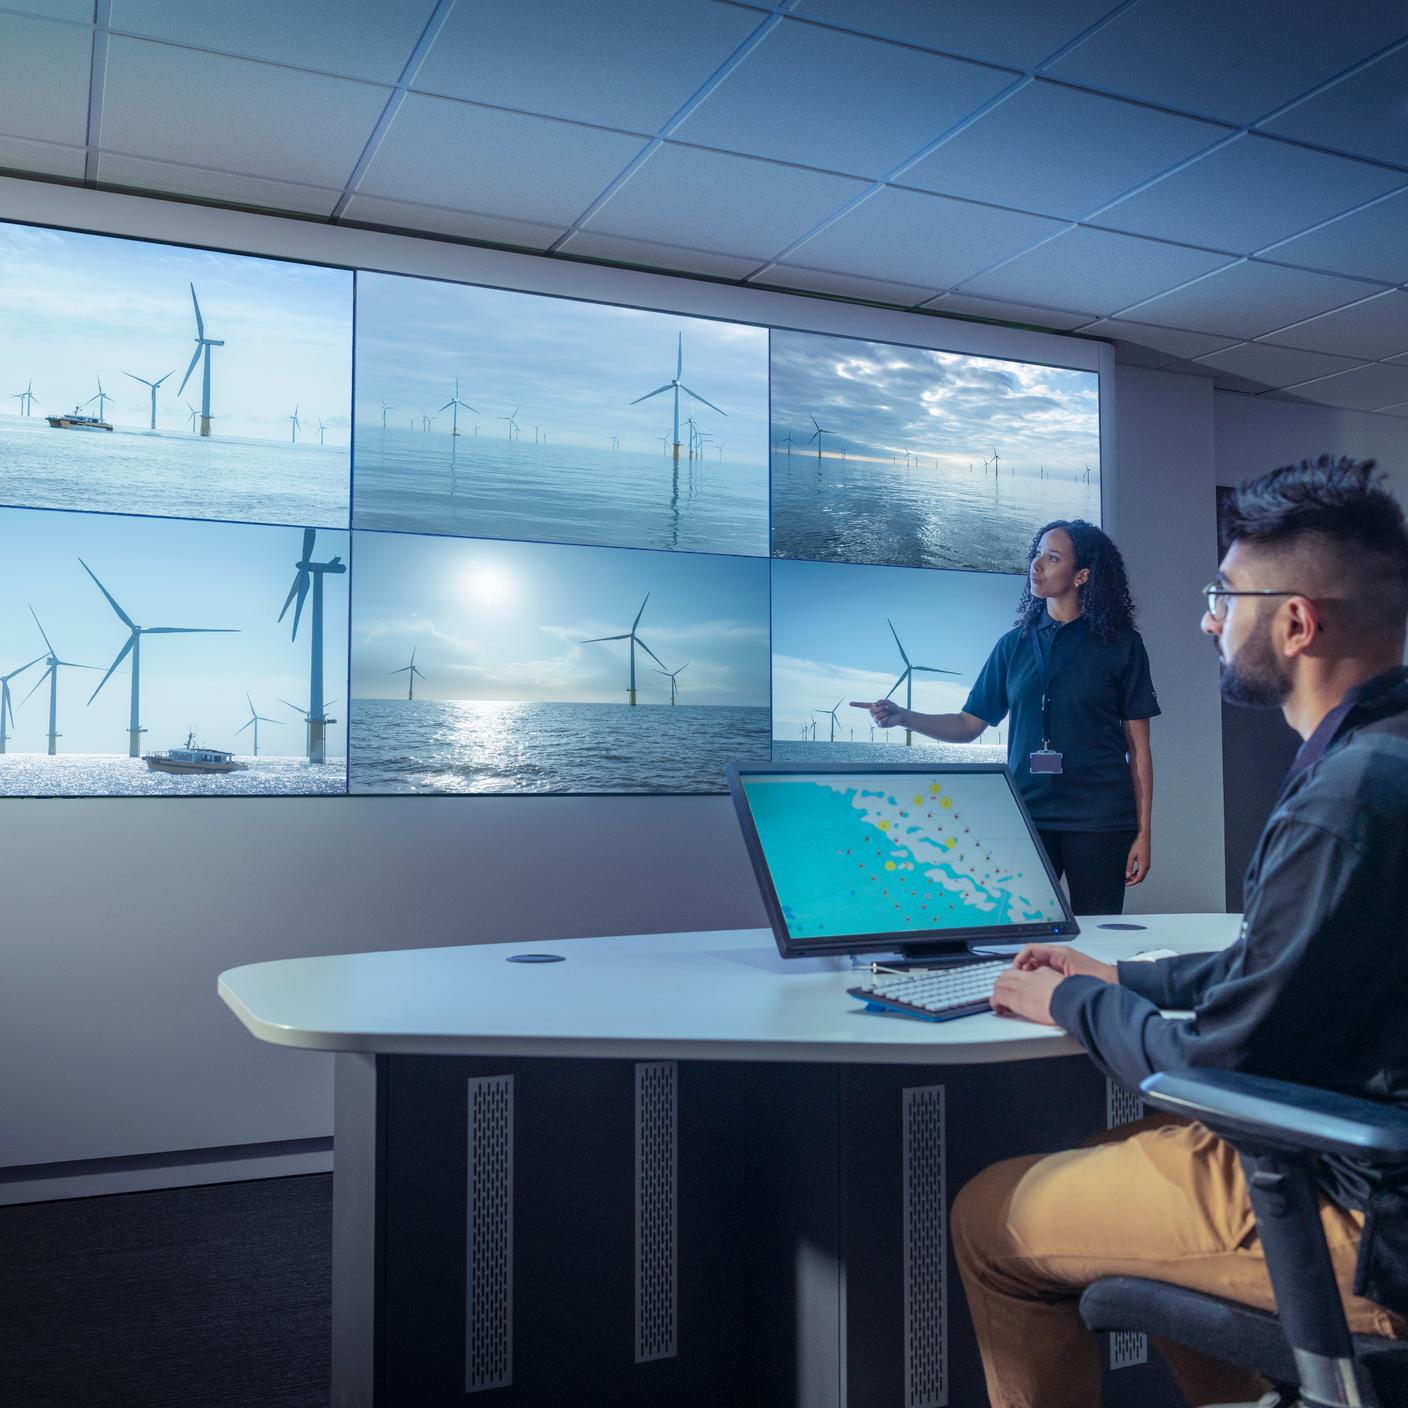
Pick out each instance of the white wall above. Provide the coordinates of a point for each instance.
(120, 914)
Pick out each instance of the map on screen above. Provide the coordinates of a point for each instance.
(896, 853)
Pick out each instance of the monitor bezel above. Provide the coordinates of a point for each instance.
(926, 943)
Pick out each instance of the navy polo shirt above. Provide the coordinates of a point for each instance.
(1096, 686)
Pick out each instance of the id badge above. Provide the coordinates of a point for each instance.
(1045, 760)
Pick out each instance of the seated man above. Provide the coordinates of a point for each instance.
(1308, 613)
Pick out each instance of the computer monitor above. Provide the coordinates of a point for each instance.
(921, 861)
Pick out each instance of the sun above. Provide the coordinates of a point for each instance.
(489, 586)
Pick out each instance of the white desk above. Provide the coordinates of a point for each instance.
(672, 1168)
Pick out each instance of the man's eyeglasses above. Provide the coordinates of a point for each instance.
(1216, 598)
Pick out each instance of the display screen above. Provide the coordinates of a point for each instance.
(903, 854)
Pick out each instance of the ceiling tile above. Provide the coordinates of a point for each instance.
(1373, 328)
(200, 109)
(1248, 194)
(594, 245)
(1017, 35)
(1363, 114)
(617, 63)
(1095, 269)
(912, 238)
(673, 197)
(439, 152)
(1058, 151)
(135, 174)
(1372, 243)
(359, 38)
(780, 102)
(1235, 62)
(1364, 389)
(843, 285)
(1249, 299)
(1270, 366)
(462, 224)
(1169, 343)
(1401, 409)
(41, 158)
(80, 10)
(1223, 381)
(1061, 319)
(44, 73)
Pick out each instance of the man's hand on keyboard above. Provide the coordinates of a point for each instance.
(1067, 961)
(1026, 993)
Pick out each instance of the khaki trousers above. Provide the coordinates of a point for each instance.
(1160, 1199)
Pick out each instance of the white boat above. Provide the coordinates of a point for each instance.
(76, 420)
(193, 759)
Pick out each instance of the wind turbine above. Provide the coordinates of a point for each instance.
(672, 674)
(321, 429)
(384, 409)
(834, 719)
(255, 719)
(453, 406)
(52, 670)
(676, 385)
(306, 716)
(787, 440)
(410, 672)
(26, 400)
(153, 385)
(664, 444)
(1087, 471)
(307, 568)
(512, 422)
(615, 439)
(294, 426)
(907, 679)
(134, 645)
(6, 706)
(817, 434)
(720, 448)
(102, 398)
(203, 346)
(635, 640)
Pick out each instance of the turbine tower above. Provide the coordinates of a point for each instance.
(52, 671)
(294, 426)
(153, 385)
(676, 385)
(307, 717)
(306, 569)
(384, 409)
(6, 706)
(817, 434)
(26, 400)
(203, 346)
(255, 719)
(834, 719)
(410, 673)
(453, 406)
(195, 414)
(512, 421)
(134, 645)
(672, 674)
(102, 398)
(907, 679)
(321, 429)
(635, 640)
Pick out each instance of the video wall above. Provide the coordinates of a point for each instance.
(550, 546)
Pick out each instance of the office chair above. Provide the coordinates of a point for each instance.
(1305, 1350)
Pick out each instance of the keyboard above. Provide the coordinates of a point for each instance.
(936, 994)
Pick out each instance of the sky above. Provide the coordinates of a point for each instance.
(503, 620)
(164, 572)
(75, 308)
(571, 367)
(880, 399)
(830, 639)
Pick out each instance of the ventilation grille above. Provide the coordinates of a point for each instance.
(488, 1349)
(657, 1204)
(1124, 1106)
(925, 1250)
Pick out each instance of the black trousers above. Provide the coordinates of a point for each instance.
(1093, 863)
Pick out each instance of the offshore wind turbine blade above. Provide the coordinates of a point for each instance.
(596, 639)
(121, 656)
(190, 630)
(142, 379)
(292, 592)
(244, 726)
(897, 684)
(41, 630)
(668, 386)
(22, 668)
(698, 397)
(309, 536)
(302, 587)
(641, 612)
(122, 615)
(194, 359)
(930, 670)
(200, 322)
(896, 635)
(37, 683)
(650, 652)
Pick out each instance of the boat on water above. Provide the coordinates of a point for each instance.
(193, 758)
(76, 420)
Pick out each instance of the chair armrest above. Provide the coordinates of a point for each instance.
(1247, 1109)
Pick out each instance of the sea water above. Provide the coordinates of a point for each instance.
(490, 487)
(428, 745)
(109, 775)
(835, 510)
(172, 474)
(924, 752)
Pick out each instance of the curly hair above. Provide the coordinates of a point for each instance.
(1104, 600)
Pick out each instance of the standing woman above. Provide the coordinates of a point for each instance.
(1074, 675)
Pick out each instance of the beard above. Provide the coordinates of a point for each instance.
(1257, 678)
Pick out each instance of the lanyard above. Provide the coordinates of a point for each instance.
(1047, 673)
(1313, 749)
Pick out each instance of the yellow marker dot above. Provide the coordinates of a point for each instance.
(889, 865)
(934, 787)
(947, 802)
(919, 801)
(883, 825)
